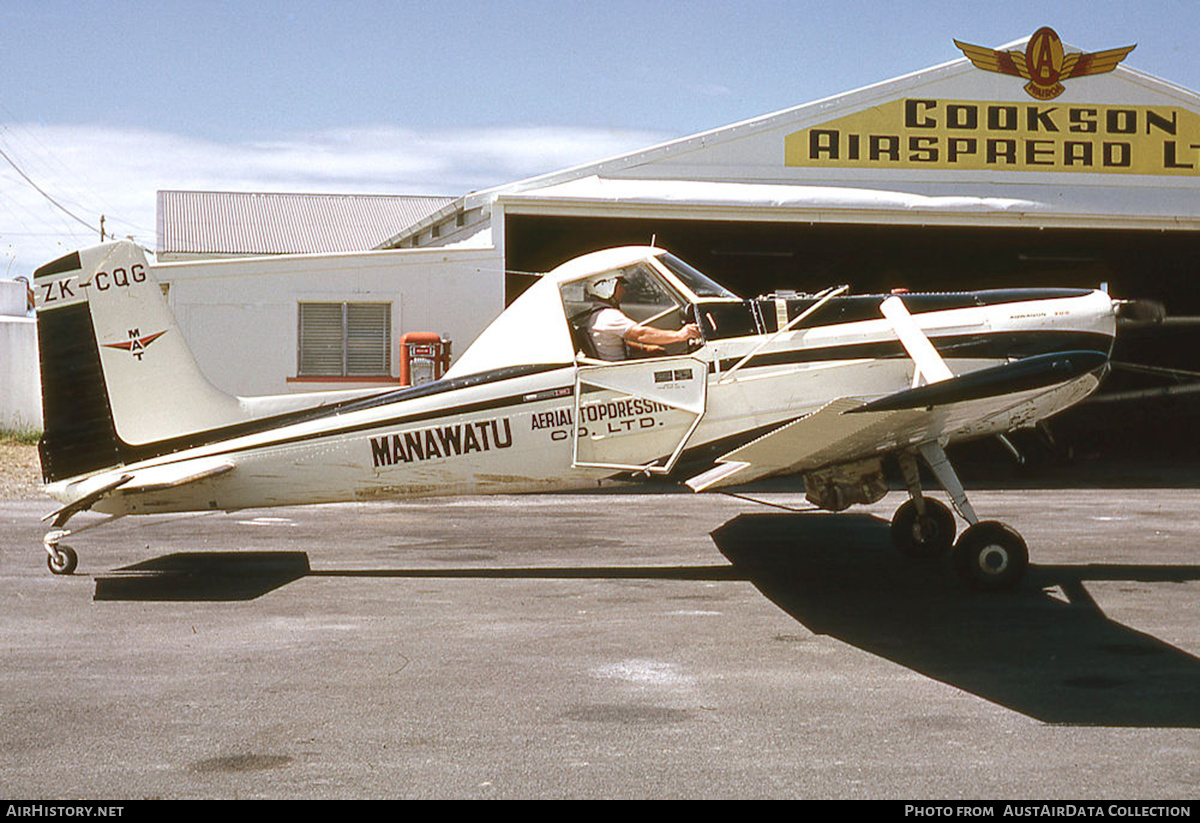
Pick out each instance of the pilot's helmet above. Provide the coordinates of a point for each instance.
(603, 286)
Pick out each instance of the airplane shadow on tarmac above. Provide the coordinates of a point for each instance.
(199, 576)
(246, 575)
(1046, 650)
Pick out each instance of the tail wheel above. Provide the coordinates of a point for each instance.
(923, 535)
(62, 560)
(991, 556)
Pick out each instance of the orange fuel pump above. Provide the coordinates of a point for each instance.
(424, 357)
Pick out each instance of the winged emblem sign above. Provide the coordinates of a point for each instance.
(1044, 63)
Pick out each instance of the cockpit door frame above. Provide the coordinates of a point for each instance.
(679, 382)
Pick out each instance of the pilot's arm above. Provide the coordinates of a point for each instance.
(651, 336)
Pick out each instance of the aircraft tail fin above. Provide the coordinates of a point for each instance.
(117, 374)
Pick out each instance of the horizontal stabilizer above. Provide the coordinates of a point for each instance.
(87, 500)
(150, 479)
(1021, 375)
(174, 475)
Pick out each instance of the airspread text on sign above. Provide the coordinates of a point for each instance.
(1004, 136)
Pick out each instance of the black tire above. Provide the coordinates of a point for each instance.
(991, 556)
(919, 536)
(63, 561)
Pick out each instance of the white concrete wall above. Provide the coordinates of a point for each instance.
(13, 299)
(240, 316)
(20, 388)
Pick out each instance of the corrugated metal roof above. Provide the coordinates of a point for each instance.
(213, 222)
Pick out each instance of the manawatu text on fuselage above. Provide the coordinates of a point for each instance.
(437, 442)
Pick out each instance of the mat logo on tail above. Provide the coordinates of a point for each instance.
(1044, 63)
(137, 343)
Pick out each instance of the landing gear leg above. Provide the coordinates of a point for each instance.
(922, 527)
(939, 464)
(61, 559)
(988, 555)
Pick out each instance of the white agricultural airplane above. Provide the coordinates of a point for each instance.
(825, 386)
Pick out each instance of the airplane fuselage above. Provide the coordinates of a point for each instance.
(552, 427)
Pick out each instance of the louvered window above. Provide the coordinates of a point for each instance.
(345, 339)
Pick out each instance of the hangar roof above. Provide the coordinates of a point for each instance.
(954, 141)
(1093, 207)
(207, 223)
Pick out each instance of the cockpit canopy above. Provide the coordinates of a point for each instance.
(538, 328)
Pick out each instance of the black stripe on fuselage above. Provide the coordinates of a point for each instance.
(131, 453)
(980, 346)
(854, 308)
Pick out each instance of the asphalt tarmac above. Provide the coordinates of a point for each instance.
(601, 646)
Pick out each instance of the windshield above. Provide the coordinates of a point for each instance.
(696, 281)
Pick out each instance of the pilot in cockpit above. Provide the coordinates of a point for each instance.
(612, 333)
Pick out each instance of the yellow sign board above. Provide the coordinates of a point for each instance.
(978, 135)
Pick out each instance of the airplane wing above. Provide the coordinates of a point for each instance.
(823, 437)
(850, 428)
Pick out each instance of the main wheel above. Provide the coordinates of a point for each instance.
(927, 535)
(63, 561)
(991, 556)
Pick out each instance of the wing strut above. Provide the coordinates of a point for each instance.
(822, 298)
(929, 362)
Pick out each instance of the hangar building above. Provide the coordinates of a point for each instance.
(947, 178)
(1038, 163)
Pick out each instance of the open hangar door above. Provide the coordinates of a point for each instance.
(1146, 409)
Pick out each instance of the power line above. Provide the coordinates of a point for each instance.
(48, 157)
(39, 190)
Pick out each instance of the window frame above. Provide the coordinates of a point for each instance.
(350, 336)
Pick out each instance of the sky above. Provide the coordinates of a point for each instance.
(102, 104)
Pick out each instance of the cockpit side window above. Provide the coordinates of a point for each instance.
(646, 298)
